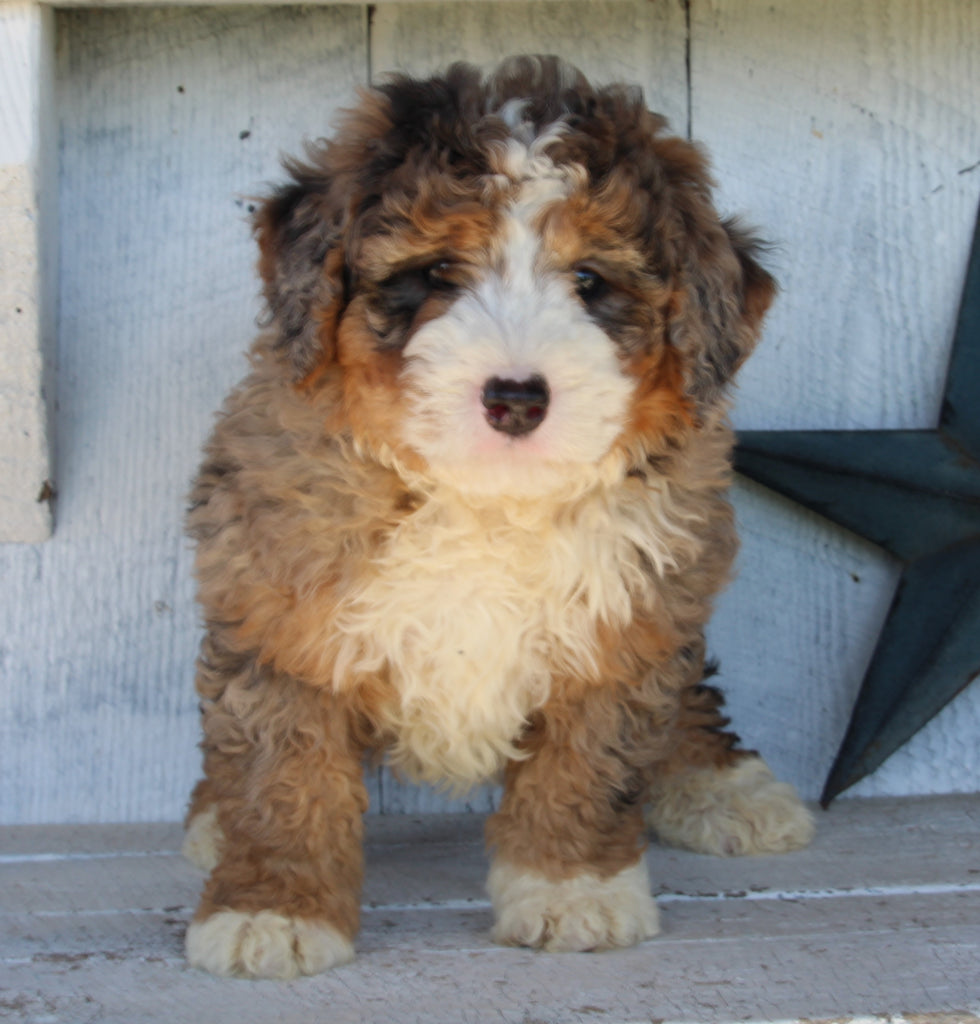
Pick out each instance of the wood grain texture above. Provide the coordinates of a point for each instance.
(848, 132)
(880, 916)
(610, 40)
(170, 119)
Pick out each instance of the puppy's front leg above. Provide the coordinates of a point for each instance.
(568, 870)
(287, 795)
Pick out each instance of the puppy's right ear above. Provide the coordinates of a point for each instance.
(299, 229)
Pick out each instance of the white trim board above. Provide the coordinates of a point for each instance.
(28, 269)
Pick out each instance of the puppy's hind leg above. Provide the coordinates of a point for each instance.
(713, 798)
(203, 840)
(279, 818)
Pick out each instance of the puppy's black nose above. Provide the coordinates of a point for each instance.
(516, 407)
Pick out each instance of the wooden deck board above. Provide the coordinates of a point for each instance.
(880, 916)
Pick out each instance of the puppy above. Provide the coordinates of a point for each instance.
(468, 509)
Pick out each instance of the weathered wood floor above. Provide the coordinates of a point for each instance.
(880, 917)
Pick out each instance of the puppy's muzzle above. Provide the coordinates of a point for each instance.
(516, 407)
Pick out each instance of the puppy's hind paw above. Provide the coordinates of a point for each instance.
(731, 811)
(571, 915)
(203, 840)
(264, 945)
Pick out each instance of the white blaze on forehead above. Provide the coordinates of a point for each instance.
(541, 184)
(523, 158)
(518, 283)
(521, 319)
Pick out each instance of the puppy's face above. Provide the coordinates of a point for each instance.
(520, 282)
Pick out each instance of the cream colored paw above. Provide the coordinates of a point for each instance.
(203, 840)
(264, 945)
(729, 812)
(575, 914)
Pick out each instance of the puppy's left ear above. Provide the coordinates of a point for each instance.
(726, 297)
(299, 229)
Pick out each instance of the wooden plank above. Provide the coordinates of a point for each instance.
(848, 132)
(852, 956)
(856, 149)
(52, 842)
(924, 968)
(169, 120)
(881, 915)
(438, 858)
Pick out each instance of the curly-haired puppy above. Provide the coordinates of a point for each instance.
(468, 509)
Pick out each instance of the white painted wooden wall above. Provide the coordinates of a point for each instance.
(849, 130)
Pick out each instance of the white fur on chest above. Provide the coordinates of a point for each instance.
(472, 614)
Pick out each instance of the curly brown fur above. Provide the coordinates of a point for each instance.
(395, 553)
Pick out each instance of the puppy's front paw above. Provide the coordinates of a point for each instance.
(264, 945)
(572, 915)
(731, 811)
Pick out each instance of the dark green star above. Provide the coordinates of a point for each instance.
(915, 493)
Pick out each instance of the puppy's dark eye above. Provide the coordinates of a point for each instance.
(397, 300)
(410, 287)
(407, 289)
(439, 275)
(589, 284)
(615, 304)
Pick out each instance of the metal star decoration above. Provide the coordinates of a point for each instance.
(915, 493)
